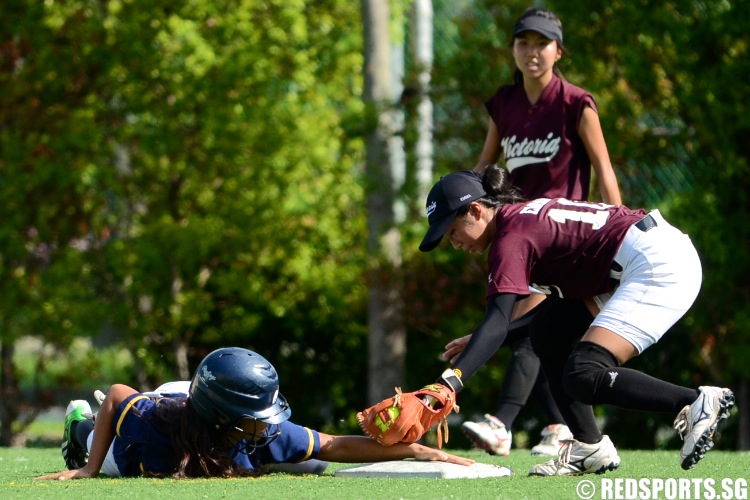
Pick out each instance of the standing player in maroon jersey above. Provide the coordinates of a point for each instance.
(547, 129)
(636, 272)
(549, 134)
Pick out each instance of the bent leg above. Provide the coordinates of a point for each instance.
(593, 375)
(554, 333)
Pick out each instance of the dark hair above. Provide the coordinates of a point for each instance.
(548, 14)
(200, 450)
(499, 190)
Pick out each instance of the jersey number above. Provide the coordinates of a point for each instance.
(596, 219)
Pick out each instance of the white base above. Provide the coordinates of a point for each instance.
(414, 468)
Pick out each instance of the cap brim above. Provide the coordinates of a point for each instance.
(540, 25)
(549, 35)
(436, 231)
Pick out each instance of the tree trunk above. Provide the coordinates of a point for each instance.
(181, 357)
(422, 54)
(9, 394)
(383, 170)
(743, 434)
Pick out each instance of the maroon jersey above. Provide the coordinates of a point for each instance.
(544, 154)
(560, 247)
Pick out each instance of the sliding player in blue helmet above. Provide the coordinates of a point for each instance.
(233, 386)
(233, 423)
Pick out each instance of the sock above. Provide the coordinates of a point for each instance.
(546, 401)
(579, 417)
(507, 413)
(593, 376)
(80, 431)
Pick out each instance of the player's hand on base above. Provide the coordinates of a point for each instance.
(68, 474)
(455, 347)
(427, 454)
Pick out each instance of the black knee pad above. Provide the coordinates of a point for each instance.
(586, 369)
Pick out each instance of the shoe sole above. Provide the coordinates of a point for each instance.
(610, 468)
(601, 470)
(74, 458)
(480, 443)
(704, 443)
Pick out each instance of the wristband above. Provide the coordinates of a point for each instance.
(452, 379)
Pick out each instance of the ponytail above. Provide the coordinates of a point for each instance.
(499, 190)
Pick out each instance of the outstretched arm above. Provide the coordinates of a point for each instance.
(491, 149)
(486, 339)
(350, 449)
(590, 130)
(103, 436)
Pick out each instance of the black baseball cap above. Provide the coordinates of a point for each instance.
(542, 25)
(448, 195)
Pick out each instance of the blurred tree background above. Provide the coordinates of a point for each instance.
(179, 176)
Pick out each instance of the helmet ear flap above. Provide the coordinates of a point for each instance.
(205, 409)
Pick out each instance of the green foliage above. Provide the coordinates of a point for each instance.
(191, 182)
(41, 365)
(721, 233)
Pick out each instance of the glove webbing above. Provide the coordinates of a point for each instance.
(443, 423)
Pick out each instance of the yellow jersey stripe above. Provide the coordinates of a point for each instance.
(311, 444)
(125, 412)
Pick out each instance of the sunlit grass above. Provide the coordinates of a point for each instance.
(18, 467)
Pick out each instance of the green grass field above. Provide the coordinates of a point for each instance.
(19, 466)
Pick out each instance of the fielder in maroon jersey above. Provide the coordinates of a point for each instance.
(638, 276)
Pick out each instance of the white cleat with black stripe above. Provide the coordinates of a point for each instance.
(697, 423)
(576, 458)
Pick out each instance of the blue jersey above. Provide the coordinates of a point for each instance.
(139, 448)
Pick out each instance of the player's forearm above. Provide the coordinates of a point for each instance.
(491, 149)
(488, 337)
(609, 189)
(351, 449)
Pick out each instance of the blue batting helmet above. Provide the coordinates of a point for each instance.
(234, 383)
